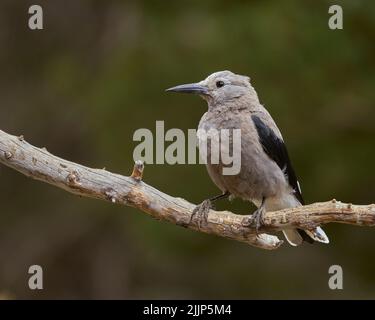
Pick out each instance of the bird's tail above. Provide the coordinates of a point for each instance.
(296, 236)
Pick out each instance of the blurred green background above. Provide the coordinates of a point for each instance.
(97, 72)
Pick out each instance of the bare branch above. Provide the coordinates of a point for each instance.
(39, 164)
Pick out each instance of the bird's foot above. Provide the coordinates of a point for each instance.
(256, 219)
(200, 212)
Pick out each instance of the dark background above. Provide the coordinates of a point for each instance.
(97, 72)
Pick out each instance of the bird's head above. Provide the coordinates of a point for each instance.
(219, 87)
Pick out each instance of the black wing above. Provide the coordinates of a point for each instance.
(275, 148)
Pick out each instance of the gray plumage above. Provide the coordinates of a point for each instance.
(266, 176)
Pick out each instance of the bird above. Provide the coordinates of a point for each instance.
(266, 176)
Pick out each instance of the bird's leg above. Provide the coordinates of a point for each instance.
(201, 210)
(257, 217)
(226, 194)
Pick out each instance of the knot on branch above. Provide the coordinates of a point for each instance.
(73, 178)
(138, 168)
(8, 155)
(110, 194)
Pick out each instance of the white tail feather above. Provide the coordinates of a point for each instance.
(318, 234)
(293, 237)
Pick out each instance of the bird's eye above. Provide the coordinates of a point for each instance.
(220, 84)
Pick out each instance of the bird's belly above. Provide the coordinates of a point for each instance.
(258, 175)
(252, 183)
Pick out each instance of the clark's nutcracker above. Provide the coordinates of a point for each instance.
(266, 176)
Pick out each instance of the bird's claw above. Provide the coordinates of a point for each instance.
(256, 219)
(200, 213)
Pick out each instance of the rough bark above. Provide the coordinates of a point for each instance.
(39, 164)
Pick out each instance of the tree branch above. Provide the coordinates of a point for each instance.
(39, 164)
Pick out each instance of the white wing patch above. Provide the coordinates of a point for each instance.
(299, 187)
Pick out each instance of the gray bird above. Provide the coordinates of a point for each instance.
(266, 176)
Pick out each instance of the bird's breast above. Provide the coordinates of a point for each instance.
(257, 174)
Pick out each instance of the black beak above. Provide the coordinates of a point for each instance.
(189, 88)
